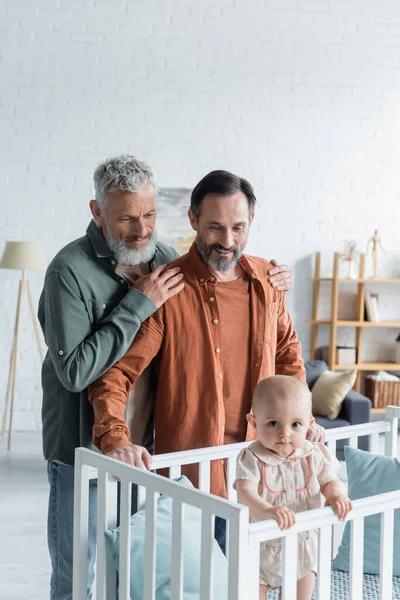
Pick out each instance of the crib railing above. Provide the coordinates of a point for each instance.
(322, 519)
(236, 516)
(242, 542)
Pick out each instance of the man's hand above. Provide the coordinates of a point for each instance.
(316, 433)
(136, 456)
(161, 284)
(281, 277)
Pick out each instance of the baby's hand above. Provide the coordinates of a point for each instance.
(340, 504)
(283, 515)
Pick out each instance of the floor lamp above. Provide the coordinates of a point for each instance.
(24, 256)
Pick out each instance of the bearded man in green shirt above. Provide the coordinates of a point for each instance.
(98, 290)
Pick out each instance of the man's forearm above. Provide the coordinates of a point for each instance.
(108, 396)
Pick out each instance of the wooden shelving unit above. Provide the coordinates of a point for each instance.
(334, 322)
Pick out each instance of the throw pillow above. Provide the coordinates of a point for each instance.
(329, 392)
(191, 553)
(369, 475)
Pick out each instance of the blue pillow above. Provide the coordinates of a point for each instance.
(369, 475)
(191, 553)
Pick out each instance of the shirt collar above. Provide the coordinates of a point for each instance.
(204, 273)
(98, 240)
(268, 457)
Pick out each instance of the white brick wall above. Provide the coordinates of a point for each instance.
(300, 96)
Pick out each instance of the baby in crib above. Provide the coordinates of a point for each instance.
(282, 473)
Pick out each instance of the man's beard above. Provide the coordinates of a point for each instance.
(127, 256)
(222, 263)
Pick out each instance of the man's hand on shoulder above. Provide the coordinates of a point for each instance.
(161, 284)
(280, 277)
(316, 433)
(134, 455)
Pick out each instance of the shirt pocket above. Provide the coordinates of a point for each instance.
(271, 324)
(98, 310)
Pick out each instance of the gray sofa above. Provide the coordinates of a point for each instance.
(356, 408)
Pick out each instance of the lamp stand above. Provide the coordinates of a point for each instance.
(24, 288)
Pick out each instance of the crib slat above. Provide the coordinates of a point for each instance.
(324, 562)
(178, 514)
(149, 587)
(386, 559)
(101, 542)
(205, 476)
(353, 443)
(125, 540)
(289, 567)
(206, 570)
(81, 524)
(141, 497)
(106, 576)
(332, 447)
(356, 558)
(374, 443)
(391, 436)
(230, 478)
(238, 557)
(227, 534)
(174, 472)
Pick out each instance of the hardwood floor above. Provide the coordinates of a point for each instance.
(24, 561)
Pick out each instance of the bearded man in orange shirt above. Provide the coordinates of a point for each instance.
(211, 343)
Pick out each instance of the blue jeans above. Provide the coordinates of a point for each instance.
(60, 523)
(220, 533)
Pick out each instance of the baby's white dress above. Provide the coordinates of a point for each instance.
(293, 482)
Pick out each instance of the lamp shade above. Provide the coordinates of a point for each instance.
(25, 256)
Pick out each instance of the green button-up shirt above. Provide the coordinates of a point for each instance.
(89, 317)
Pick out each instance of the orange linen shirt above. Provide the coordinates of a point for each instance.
(185, 338)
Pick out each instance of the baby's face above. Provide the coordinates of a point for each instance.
(282, 423)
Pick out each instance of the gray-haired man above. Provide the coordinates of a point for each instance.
(98, 291)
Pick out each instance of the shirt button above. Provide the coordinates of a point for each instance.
(215, 321)
(222, 402)
(113, 262)
(222, 461)
(211, 278)
(122, 280)
(61, 352)
(257, 364)
(211, 299)
(201, 280)
(222, 428)
(220, 376)
(104, 305)
(217, 350)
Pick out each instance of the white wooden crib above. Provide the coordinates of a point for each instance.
(243, 539)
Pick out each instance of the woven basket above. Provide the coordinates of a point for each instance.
(383, 393)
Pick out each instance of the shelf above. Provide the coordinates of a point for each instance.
(346, 280)
(369, 366)
(356, 323)
(380, 324)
